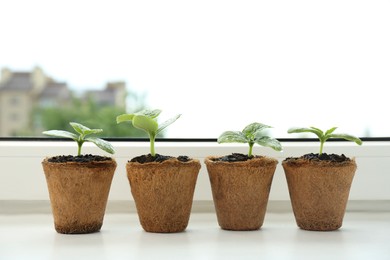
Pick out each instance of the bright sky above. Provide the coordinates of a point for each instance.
(222, 64)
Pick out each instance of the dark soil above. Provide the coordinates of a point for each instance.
(234, 157)
(79, 158)
(323, 157)
(158, 158)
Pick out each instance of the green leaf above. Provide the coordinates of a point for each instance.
(102, 144)
(146, 112)
(62, 134)
(79, 128)
(93, 131)
(83, 130)
(313, 130)
(251, 129)
(317, 130)
(146, 120)
(124, 118)
(269, 142)
(145, 123)
(149, 113)
(167, 123)
(348, 137)
(293, 130)
(232, 137)
(328, 132)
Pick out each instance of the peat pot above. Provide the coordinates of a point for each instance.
(163, 193)
(78, 194)
(319, 191)
(240, 191)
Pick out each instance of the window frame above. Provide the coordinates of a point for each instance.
(23, 178)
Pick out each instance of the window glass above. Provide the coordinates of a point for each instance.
(222, 64)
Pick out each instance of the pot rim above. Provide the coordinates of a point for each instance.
(263, 160)
(112, 161)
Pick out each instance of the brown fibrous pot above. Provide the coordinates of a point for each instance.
(163, 193)
(78, 194)
(319, 191)
(240, 191)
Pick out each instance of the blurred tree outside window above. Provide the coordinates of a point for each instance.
(32, 102)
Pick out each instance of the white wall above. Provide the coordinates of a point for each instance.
(22, 177)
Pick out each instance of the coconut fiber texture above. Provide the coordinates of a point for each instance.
(78, 194)
(240, 191)
(319, 191)
(163, 193)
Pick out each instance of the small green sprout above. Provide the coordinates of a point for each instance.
(324, 136)
(82, 137)
(251, 134)
(147, 120)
